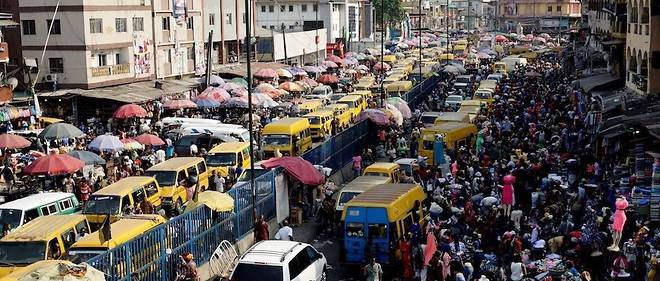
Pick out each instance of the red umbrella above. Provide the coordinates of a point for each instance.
(501, 38)
(328, 79)
(329, 64)
(179, 104)
(265, 73)
(128, 111)
(149, 139)
(217, 94)
(310, 82)
(382, 66)
(12, 141)
(335, 59)
(56, 164)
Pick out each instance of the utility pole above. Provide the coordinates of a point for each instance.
(382, 53)
(41, 62)
(209, 57)
(419, 33)
(318, 6)
(286, 56)
(248, 47)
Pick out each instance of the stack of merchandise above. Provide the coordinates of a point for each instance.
(655, 192)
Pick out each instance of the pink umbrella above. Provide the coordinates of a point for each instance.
(214, 93)
(329, 64)
(179, 104)
(501, 38)
(149, 139)
(382, 66)
(334, 59)
(328, 79)
(264, 87)
(310, 82)
(265, 73)
(128, 111)
(230, 86)
(56, 164)
(11, 141)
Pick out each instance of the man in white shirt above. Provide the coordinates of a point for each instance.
(219, 183)
(193, 149)
(285, 233)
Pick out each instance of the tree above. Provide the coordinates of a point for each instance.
(393, 11)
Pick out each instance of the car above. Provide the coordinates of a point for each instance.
(497, 77)
(454, 100)
(275, 260)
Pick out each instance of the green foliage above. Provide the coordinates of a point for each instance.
(393, 10)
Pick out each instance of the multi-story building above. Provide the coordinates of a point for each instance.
(228, 28)
(179, 37)
(469, 13)
(92, 43)
(348, 19)
(643, 46)
(539, 15)
(11, 33)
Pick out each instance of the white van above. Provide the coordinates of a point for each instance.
(19, 212)
(170, 121)
(233, 130)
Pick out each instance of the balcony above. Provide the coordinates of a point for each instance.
(110, 70)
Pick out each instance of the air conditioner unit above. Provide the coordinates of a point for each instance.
(50, 77)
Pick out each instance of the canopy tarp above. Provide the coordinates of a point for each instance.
(592, 82)
(298, 168)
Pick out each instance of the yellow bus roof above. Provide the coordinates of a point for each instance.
(44, 228)
(350, 98)
(367, 79)
(122, 231)
(310, 104)
(364, 84)
(400, 86)
(124, 186)
(448, 127)
(452, 117)
(398, 199)
(229, 147)
(335, 106)
(50, 120)
(285, 126)
(382, 166)
(361, 93)
(472, 103)
(321, 112)
(174, 164)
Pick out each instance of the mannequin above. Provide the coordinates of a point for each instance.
(507, 194)
(619, 221)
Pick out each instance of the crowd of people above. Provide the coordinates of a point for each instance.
(527, 201)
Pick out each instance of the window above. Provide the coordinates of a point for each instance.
(81, 228)
(30, 215)
(315, 7)
(125, 202)
(298, 264)
(244, 17)
(151, 189)
(272, 27)
(182, 177)
(201, 167)
(291, 27)
(138, 195)
(271, 8)
(303, 7)
(96, 25)
(57, 29)
(263, 8)
(166, 23)
(65, 204)
(290, 8)
(549, 9)
(56, 65)
(44, 211)
(29, 27)
(138, 24)
(282, 8)
(68, 237)
(192, 171)
(190, 23)
(117, 59)
(120, 25)
(311, 253)
(211, 19)
(191, 53)
(102, 59)
(228, 18)
(559, 9)
(264, 27)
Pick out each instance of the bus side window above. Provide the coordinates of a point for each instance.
(82, 229)
(151, 189)
(138, 195)
(30, 215)
(125, 202)
(54, 249)
(68, 237)
(460, 143)
(201, 167)
(182, 177)
(407, 222)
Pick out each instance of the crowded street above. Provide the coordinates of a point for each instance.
(457, 150)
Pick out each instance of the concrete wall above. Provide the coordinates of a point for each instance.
(298, 43)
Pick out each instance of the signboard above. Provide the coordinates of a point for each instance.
(179, 11)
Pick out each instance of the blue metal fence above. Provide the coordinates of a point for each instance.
(417, 94)
(154, 255)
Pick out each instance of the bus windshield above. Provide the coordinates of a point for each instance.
(164, 178)
(221, 159)
(277, 140)
(347, 196)
(22, 252)
(102, 204)
(11, 217)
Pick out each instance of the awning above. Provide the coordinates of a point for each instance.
(595, 81)
(5, 23)
(298, 168)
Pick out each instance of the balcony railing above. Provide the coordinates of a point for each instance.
(109, 70)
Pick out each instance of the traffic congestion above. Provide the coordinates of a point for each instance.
(486, 174)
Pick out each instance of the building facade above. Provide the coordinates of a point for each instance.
(347, 19)
(539, 15)
(228, 29)
(607, 26)
(11, 34)
(643, 46)
(92, 43)
(469, 13)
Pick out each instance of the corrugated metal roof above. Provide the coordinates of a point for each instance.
(6, 22)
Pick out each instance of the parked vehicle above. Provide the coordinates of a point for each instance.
(21, 211)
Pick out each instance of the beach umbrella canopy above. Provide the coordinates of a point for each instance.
(310, 82)
(88, 157)
(350, 61)
(11, 141)
(350, 54)
(149, 139)
(215, 200)
(313, 69)
(239, 81)
(207, 103)
(265, 73)
(214, 93)
(498, 49)
(231, 86)
(264, 87)
(284, 73)
(328, 79)
(298, 71)
(539, 40)
(360, 56)
(292, 87)
(382, 66)
(60, 130)
(401, 106)
(501, 38)
(131, 144)
(129, 111)
(334, 59)
(215, 80)
(263, 100)
(329, 64)
(179, 104)
(482, 55)
(236, 102)
(394, 114)
(106, 143)
(56, 164)
(362, 68)
(376, 116)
